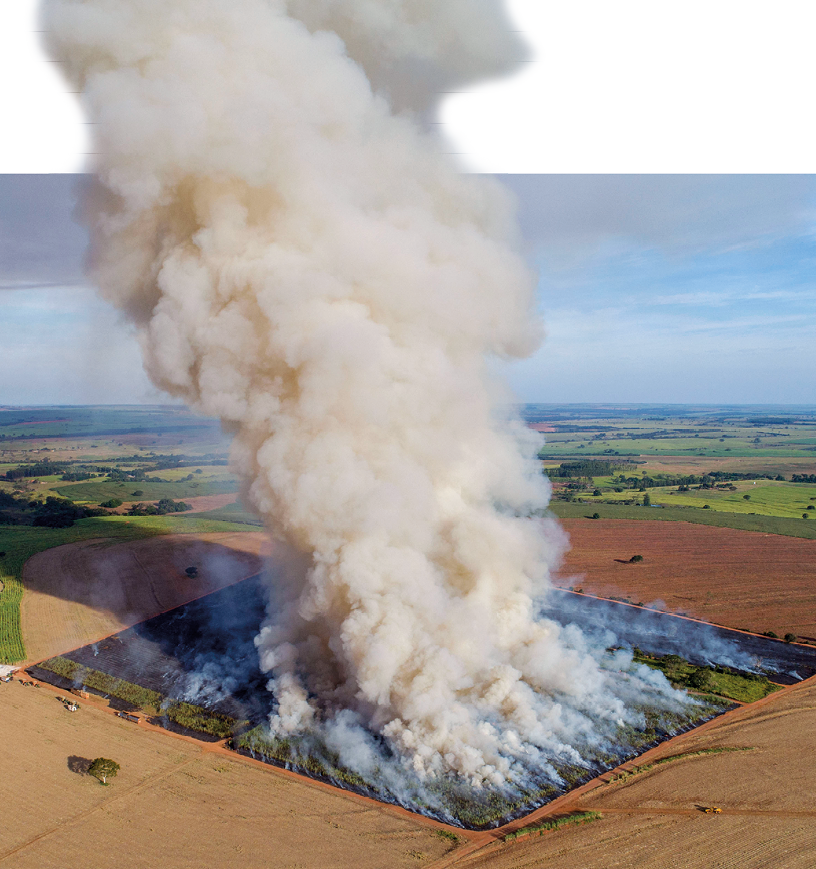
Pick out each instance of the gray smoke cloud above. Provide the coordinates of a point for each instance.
(303, 261)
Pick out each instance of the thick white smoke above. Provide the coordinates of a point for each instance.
(304, 263)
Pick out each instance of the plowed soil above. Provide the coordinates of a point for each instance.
(655, 820)
(200, 504)
(175, 803)
(81, 592)
(741, 579)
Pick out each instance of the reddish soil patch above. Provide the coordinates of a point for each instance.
(741, 579)
(200, 504)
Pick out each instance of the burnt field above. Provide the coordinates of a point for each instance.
(203, 653)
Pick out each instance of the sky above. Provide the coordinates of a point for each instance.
(653, 287)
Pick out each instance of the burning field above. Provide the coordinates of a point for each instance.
(275, 216)
(195, 669)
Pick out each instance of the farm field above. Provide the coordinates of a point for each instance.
(675, 430)
(691, 515)
(103, 491)
(78, 593)
(759, 577)
(175, 802)
(655, 819)
(18, 543)
(741, 579)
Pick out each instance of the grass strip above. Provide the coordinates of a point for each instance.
(695, 515)
(687, 755)
(554, 824)
(709, 681)
(187, 715)
(144, 698)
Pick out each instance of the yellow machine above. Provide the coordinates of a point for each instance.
(712, 810)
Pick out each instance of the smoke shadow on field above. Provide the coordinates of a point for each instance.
(202, 652)
(79, 765)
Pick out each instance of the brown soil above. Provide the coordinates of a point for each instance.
(81, 592)
(785, 465)
(175, 803)
(200, 504)
(655, 819)
(742, 579)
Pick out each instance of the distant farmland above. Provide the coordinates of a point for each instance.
(145, 491)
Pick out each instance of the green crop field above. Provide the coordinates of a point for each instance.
(765, 497)
(766, 524)
(96, 493)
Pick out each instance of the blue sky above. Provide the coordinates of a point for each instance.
(679, 289)
(672, 288)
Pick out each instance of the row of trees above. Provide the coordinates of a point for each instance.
(51, 513)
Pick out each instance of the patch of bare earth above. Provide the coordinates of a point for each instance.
(81, 592)
(200, 504)
(175, 803)
(655, 820)
(742, 579)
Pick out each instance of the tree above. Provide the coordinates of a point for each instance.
(790, 638)
(635, 558)
(191, 571)
(597, 493)
(103, 768)
(647, 501)
(700, 679)
(747, 497)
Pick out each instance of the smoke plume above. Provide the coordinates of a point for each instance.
(303, 261)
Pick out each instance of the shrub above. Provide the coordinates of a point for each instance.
(790, 638)
(700, 679)
(635, 558)
(111, 504)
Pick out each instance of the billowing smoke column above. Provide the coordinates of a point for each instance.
(301, 260)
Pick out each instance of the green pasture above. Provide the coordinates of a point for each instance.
(230, 513)
(709, 448)
(209, 473)
(766, 498)
(697, 516)
(20, 542)
(95, 493)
